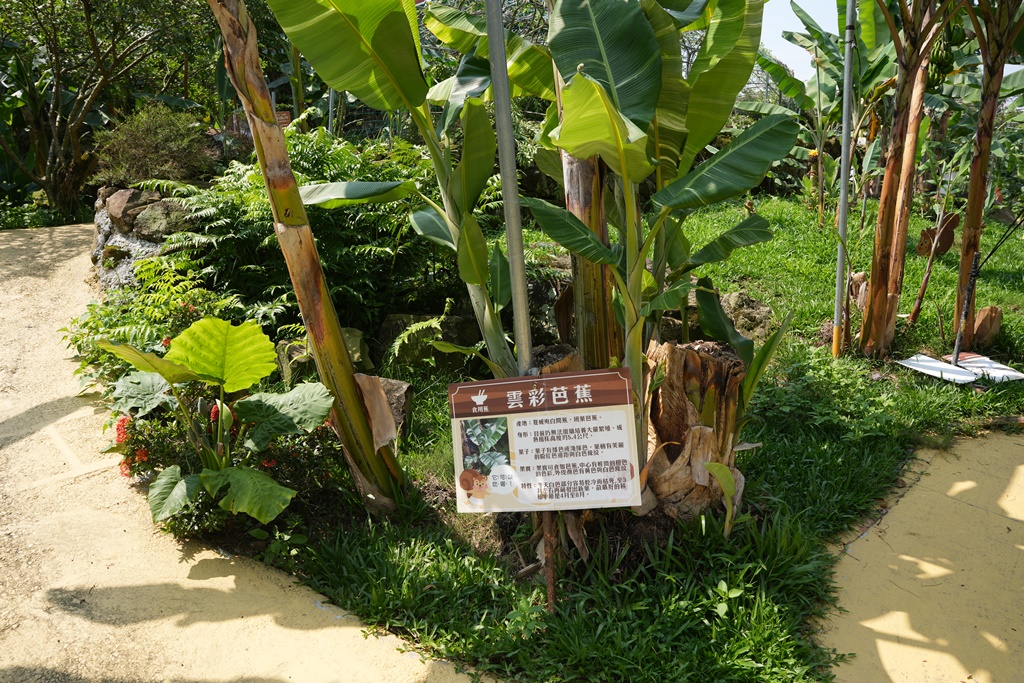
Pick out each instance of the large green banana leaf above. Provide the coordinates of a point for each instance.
(336, 195)
(738, 167)
(367, 47)
(721, 70)
(477, 163)
(790, 86)
(824, 40)
(667, 131)
(611, 42)
(593, 126)
(529, 65)
(472, 79)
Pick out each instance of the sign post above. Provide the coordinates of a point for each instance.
(563, 441)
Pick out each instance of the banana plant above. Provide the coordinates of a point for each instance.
(371, 48)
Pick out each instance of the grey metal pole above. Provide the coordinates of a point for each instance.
(844, 190)
(509, 183)
(330, 110)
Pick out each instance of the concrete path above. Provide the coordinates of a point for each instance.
(935, 590)
(90, 592)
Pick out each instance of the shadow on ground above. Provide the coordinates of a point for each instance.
(23, 674)
(934, 590)
(35, 252)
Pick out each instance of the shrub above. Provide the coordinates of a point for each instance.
(373, 262)
(155, 142)
(164, 304)
(30, 215)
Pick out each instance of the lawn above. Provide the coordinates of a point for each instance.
(658, 602)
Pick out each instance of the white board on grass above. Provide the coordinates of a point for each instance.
(936, 368)
(997, 372)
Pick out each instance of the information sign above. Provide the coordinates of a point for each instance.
(564, 441)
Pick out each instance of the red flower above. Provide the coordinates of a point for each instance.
(214, 413)
(166, 342)
(124, 467)
(268, 463)
(141, 455)
(121, 432)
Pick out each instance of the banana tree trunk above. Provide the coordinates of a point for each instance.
(692, 422)
(872, 335)
(992, 80)
(374, 467)
(598, 334)
(904, 199)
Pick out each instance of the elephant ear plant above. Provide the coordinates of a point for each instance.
(224, 434)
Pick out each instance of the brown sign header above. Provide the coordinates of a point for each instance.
(560, 391)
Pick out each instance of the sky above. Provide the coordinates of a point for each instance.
(779, 17)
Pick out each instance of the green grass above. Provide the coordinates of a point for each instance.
(682, 603)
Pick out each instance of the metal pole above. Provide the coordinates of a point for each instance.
(330, 110)
(971, 281)
(509, 183)
(844, 190)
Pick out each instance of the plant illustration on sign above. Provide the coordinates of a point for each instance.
(485, 444)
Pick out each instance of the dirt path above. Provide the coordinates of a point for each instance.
(933, 592)
(89, 591)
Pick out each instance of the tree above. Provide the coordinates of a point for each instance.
(997, 25)
(62, 58)
(921, 22)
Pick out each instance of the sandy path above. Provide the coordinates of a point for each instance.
(89, 591)
(934, 591)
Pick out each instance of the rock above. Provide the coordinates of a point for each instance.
(752, 318)
(987, 324)
(160, 219)
(124, 205)
(113, 254)
(102, 195)
(294, 361)
(129, 249)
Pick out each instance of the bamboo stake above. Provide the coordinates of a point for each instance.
(376, 472)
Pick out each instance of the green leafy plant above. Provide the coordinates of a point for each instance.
(155, 142)
(232, 359)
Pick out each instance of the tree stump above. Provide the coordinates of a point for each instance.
(692, 421)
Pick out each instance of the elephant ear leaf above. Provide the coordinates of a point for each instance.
(233, 356)
(170, 493)
(143, 361)
(367, 47)
(250, 491)
(302, 409)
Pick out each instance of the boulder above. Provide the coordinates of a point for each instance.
(124, 205)
(156, 221)
(102, 195)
